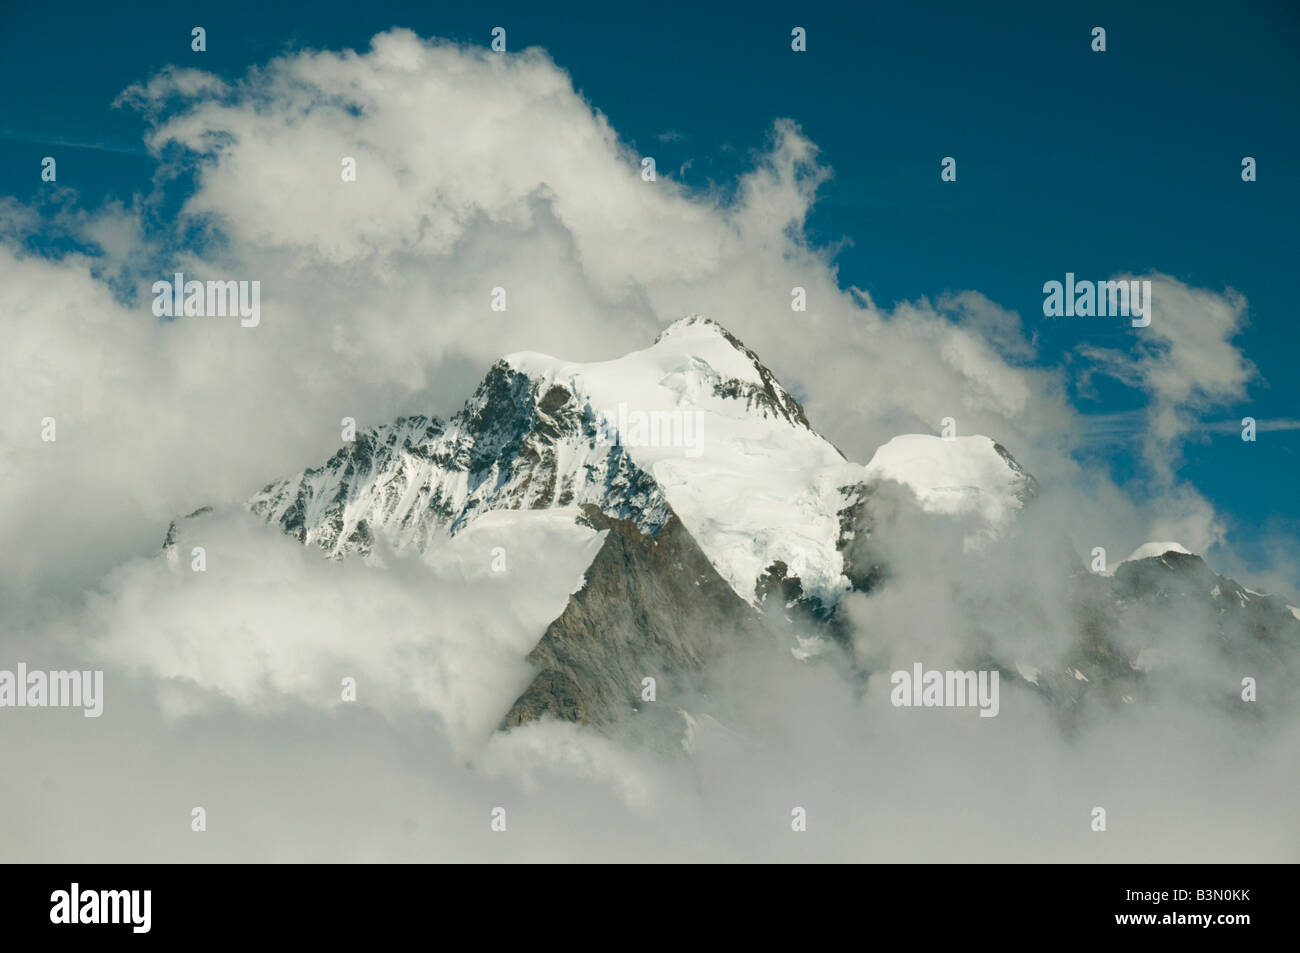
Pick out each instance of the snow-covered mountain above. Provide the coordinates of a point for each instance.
(957, 476)
(716, 508)
(694, 425)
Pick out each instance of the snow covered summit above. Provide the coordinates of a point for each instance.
(1152, 550)
(956, 476)
(695, 425)
(726, 445)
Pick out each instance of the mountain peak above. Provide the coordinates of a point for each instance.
(1152, 550)
(696, 322)
(730, 448)
(693, 362)
(956, 475)
(694, 426)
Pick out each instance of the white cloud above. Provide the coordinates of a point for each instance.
(270, 623)
(1185, 361)
(476, 171)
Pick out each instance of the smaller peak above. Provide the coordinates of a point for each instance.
(955, 475)
(701, 337)
(1153, 550)
(927, 444)
(529, 363)
(694, 321)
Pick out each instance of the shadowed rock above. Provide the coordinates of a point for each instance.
(651, 606)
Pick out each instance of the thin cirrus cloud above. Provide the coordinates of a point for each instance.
(12, 135)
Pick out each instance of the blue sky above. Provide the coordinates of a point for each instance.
(1068, 160)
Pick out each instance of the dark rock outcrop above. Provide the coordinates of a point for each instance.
(651, 606)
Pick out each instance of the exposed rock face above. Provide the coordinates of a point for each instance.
(1167, 610)
(695, 424)
(765, 394)
(1250, 627)
(1163, 611)
(173, 528)
(1184, 577)
(650, 606)
(1027, 487)
(515, 445)
(537, 434)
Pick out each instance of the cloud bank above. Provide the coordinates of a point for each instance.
(476, 171)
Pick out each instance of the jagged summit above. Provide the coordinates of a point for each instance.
(514, 445)
(692, 359)
(694, 425)
(692, 321)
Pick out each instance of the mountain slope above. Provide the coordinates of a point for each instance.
(694, 425)
(418, 480)
(723, 514)
(720, 501)
(650, 606)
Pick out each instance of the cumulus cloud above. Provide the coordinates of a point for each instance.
(1185, 361)
(477, 171)
(447, 635)
(474, 171)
